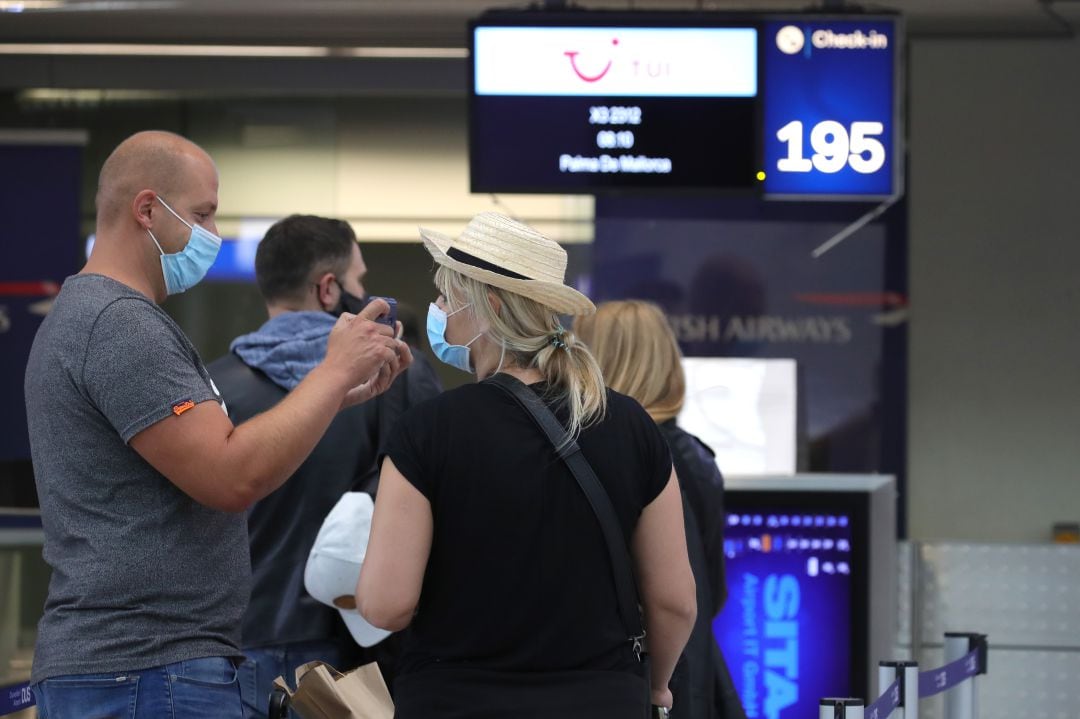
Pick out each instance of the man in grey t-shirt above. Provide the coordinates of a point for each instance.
(141, 476)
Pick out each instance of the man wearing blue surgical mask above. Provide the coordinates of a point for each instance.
(143, 479)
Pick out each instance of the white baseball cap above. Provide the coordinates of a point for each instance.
(333, 567)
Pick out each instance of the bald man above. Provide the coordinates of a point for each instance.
(143, 480)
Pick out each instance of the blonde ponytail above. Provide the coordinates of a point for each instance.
(567, 364)
(534, 338)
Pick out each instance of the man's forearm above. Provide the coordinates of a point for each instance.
(267, 449)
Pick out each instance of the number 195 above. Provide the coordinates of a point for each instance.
(834, 147)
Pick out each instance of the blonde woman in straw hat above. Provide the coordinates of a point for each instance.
(484, 545)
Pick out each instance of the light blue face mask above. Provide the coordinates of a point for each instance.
(453, 355)
(184, 269)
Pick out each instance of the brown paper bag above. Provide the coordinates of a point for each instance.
(322, 692)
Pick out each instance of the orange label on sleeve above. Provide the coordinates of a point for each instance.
(180, 408)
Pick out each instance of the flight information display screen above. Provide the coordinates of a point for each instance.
(829, 108)
(589, 102)
(572, 109)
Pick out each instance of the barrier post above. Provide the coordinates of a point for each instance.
(961, 700)
(840, 708)
(907, 706)
(908, 672)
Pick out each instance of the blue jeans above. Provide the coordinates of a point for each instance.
(265, 664)
(192, 689)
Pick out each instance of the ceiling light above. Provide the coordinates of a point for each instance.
(228, 50)
(49, 95)
(22, 5)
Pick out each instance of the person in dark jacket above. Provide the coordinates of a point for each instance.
(309, 270)
(639, 356)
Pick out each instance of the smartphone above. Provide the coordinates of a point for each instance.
(390, 320)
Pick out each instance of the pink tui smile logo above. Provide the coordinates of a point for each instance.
(572, 54)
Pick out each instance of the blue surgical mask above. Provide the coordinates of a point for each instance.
(184, 269)
(453, 355)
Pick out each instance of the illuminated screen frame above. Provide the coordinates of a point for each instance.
(689, 19)
(856, 506)
(628, 20)
(870, 502)
(898, 115)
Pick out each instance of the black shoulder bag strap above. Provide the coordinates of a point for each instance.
(598, 498)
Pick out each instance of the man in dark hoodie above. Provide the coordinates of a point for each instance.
(309, 270)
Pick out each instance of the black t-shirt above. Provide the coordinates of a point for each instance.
(519, 577)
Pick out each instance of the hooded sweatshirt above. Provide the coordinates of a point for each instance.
(286, 347)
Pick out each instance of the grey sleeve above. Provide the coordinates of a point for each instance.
(138, 367)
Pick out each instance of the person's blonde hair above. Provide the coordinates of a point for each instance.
(638, 354)
(533, 338)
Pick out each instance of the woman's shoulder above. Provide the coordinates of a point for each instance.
(619, 402)
(681, 440)
(468, 392)
(445, 401)
(624, 408)
(691, 452)
(626, 420)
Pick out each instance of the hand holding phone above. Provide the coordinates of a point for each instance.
(390, 320)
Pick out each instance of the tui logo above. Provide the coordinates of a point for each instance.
(572, 54)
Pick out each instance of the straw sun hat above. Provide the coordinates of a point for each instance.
(503, 253)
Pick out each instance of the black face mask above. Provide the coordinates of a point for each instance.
(348, 302)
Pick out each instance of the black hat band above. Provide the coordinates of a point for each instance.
(473, 261)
